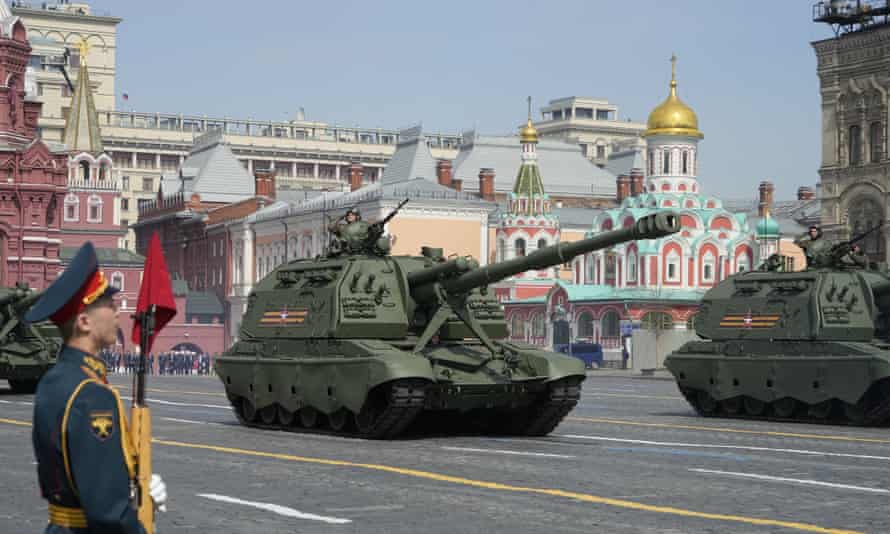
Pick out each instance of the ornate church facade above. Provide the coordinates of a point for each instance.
(650, 283)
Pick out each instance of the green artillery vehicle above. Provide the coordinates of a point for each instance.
(26, 350)
(360, 343)
(808, 346)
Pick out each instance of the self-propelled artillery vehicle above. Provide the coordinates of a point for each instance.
(27, 351)
(359, 342)
(812, 345)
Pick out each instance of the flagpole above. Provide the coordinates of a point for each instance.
(140, 419)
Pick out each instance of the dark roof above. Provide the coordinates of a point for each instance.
(202, 303)
(106, 256)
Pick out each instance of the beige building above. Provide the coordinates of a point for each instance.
(592, 123)
(854, 76)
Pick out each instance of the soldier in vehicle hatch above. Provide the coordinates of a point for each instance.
(813, 244)
(352, 215)
(855, 258)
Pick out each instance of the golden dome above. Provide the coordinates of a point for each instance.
(673, 117)
(528, 134)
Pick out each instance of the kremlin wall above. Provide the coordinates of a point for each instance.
(226, 222)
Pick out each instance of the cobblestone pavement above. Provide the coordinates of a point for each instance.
(632, 457)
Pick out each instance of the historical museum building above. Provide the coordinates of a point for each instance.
(854, 78)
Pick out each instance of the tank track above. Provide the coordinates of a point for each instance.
(873, 409)
(401, 401)
(545, 414)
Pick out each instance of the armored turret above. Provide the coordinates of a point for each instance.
(27, 351)
(364, 343)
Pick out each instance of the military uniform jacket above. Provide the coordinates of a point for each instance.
(84, 456)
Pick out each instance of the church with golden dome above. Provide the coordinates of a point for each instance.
(652, 284)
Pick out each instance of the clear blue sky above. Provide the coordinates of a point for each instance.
(747, 68)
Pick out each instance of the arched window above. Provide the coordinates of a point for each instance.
(84, 170)
(864, 214)
(585, 325)
(855, 145)
(708, 267)
(651, 162)
(72, 207)
(94, 209)
(520, 247)
(501, 252)
(103, 171)
(666, 162)
(517, 330)
(539, 329)
(293, 248)
(542, 243)
(611, 326)
(685, 162)
(673, 267)
(743, 262)
(875, 142)
(657, 321)
(632, 267)
(117, 280)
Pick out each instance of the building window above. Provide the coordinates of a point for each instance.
(708, 267)
(585, 325)
(657, 321)
(103, 171)
(519, 247)
(651, 162)
(125, 183)
(875, 142)
(148, 185)
(72, 208)
(125, 204)
(855, 145)
(84, 170)
(94, 207)
(600, 152)
(610, 324)
(743, 263)
(673, 267)
(516, 327)
(685, 162)
(117, 280)
(666, 162)
(539, 329)
(632, 267)
(542, 243)
(125, 224)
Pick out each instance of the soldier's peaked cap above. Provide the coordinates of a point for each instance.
(81, 284)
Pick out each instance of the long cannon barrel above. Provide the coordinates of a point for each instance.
(651, 226)
(445, 269)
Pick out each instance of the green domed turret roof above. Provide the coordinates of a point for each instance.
(767, 227)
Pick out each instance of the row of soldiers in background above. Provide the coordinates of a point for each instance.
(165, 363)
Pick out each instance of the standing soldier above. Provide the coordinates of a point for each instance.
(812, 244)
(80, 436)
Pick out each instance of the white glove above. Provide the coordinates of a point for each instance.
(158, 491)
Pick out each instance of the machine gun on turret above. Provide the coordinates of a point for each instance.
(838, 251)
(375, 231)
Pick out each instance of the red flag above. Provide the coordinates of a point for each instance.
(155, 290)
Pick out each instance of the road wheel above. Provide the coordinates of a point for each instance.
(784, 407)
(285, 416)
(855, 413)
(754, 406)
(339, 420)
(308, 416)
(268, 414)
(248, 411)
(732, 406)
(707, 405)
(821, 410)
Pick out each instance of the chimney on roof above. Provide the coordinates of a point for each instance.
(264, 183)
(623, 187)
(356, 171)
(766, 198)
(805, 193)
(443, 172)
(486, 184)
(637, 186)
